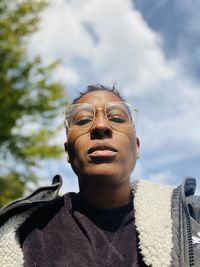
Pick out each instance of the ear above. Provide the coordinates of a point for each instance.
(66, 150)
(137, 147)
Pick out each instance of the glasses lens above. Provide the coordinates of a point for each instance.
(79, 116)
(120, 115)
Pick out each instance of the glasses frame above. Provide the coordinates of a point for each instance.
(132, 110)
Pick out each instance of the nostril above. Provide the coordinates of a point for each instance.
(107, 132)
(100, 133)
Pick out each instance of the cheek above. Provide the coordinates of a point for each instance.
(128, 141)
(129, 150)
(78, 150)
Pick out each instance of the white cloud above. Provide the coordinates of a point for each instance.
(109, 41)
(61, 34)
(171, 123)
(128, 51)
(67, 75)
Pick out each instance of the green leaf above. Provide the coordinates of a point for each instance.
(30, 101)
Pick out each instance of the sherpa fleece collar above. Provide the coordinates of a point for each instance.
(152, 204)
(11, 254)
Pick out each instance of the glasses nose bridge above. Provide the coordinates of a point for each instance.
(100, 112)
(100, 116)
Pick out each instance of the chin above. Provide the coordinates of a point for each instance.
(103, 175)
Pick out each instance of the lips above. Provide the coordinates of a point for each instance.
(102, 150)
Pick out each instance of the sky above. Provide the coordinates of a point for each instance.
(151, 51)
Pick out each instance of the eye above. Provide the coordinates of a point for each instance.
(83, 121)
(117, 119)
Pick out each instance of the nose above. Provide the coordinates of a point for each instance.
(101, 128)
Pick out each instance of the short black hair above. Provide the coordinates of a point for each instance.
(98, 87)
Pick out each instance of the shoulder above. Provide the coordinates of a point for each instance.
(40, 197)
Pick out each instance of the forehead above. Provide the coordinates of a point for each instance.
(99, 98)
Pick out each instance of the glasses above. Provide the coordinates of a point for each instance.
(81, 117)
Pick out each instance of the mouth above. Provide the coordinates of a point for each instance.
(102, 150)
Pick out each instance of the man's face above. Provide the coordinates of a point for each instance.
(102, 154)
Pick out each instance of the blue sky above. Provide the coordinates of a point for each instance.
(151, 51)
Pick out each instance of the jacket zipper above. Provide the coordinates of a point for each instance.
(189, 237)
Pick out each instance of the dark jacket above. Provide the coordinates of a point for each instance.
(162, 217)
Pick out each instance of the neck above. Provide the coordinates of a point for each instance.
(105, 196)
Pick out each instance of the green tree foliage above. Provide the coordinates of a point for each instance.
(30, 100)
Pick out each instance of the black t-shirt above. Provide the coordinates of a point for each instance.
(70, 233)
